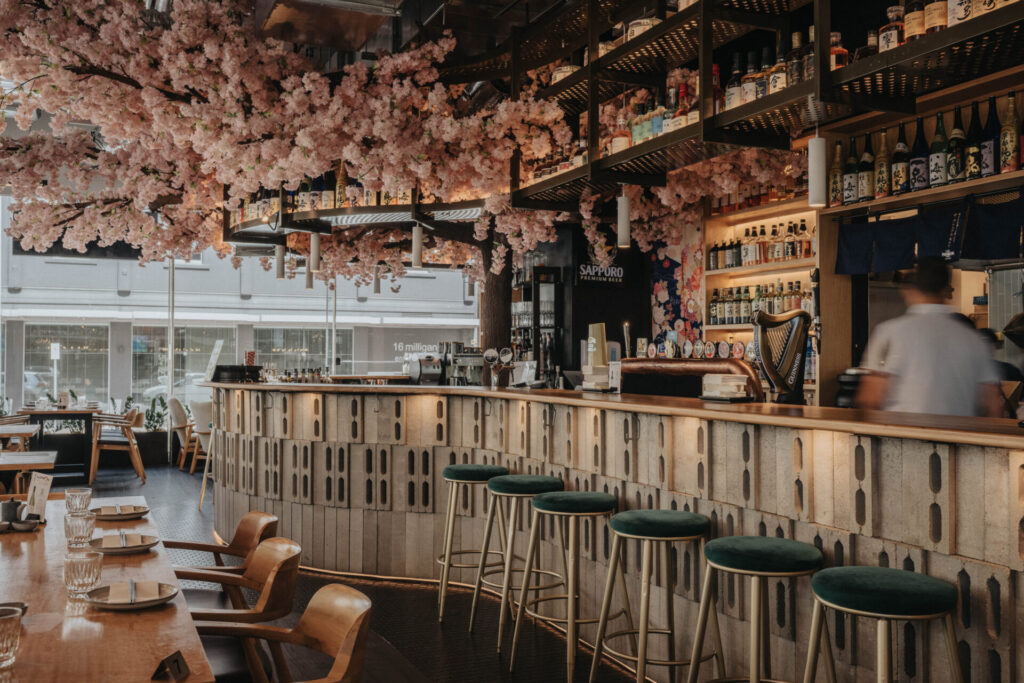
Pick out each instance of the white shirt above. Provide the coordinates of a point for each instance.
(934, 362)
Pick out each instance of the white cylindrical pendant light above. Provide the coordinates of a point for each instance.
(417, 246)
(314, 252)
(279, 260)
(817, 172)
(622, 224)
(309, 277)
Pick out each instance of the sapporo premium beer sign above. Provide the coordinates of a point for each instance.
(594, 273)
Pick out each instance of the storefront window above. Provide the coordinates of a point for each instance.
(192, 349)
(82, 366)
(296, 348)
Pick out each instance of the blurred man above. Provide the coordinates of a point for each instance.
(1008, 372)
(926, 361)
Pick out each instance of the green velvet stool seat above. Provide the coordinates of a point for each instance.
(508, 490)
(886, 595)
(762, 558)
(457, 476)
(571, 509)
(663, 527)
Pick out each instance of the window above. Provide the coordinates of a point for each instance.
(83, 360)
(192, 349)
(296, 348)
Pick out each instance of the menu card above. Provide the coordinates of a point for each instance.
(38, 493)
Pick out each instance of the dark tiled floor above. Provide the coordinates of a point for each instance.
(407, 645)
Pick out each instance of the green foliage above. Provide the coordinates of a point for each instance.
(156, 416)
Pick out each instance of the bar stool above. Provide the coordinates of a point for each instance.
(886, 595)
(649, 527)
(571, 505)
(759, 557)
(512, 487)
(456, 476)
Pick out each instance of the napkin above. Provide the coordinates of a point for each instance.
(114, 540)
(112, 509)
(120, 593)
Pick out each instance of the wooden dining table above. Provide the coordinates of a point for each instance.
(21, 432)
(24, 463)
(72, 463)
(66, 640)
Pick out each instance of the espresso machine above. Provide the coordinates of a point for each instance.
(464, 365)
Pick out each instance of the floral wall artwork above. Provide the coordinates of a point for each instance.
(677, 272)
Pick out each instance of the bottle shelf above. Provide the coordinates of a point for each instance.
(734, 327)
(779, 209)
(764, 269)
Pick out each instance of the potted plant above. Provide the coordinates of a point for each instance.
(152, 438)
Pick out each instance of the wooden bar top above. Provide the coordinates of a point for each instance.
(980, 431)
(65, 640)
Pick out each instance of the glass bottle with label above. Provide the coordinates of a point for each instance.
(919, 160)
(809, 58)
(913, 20)
(637, 127)
(958, 10)
(692, 108)
(620, 138)
(980, 7)
(717, 101)
(745, 306)
(761, 84)
(779, 305)
(936, 13)
(937, 154)
(713, 308)
(657, 117)
(795, 60)
(869, 50)
(1009, 138)
(749, 88)
(839, 56)
(777, 75)
(956, 150)
(850, 174)
(975, 136)
(668, 122)
(990, 141)
(901, 164)
(883, 169)
(734, 88)
(866, 172)
(891, 35)
(835, 177)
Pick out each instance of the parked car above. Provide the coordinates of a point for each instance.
(185, 389)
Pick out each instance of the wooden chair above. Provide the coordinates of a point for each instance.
(115, 433)
(254, 528)
(15, 443)
(182, 427)
(202, 412)
(336, 622)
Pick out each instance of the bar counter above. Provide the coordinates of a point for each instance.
(354, 472)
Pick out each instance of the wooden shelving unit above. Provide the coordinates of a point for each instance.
(763, 269)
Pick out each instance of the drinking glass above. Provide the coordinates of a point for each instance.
(10, 635)
(82, 572)
(78, 528)
(77, 500)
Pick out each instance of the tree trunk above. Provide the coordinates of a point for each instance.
(496, 314)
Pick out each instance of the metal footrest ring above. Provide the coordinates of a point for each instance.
(520, 570)
(652, 662)
(562, 620)
(474, 565)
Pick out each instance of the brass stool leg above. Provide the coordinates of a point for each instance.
(954, 657)
(670, 611)
(884, 646)
(645, 609)
(755, 628)
(606, 604)
(572, 637)
(449, 532)
(531, 552)
(766, 650)
(625, 602)
(702, 625)
(814, 642)
(826, 640)
(506, 580)
(488, 525)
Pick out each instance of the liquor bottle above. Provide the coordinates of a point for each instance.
(795, 60)
(809, 250)
(303, 196)
(646, 121)
(762, 246)
(778, 304)
(866, 172)
(1009, 138)
(956, 149)
(636, 126)
(891, 35)
(717, 94)
(990, 141)
(657, 117)
(869, 50)
(744, 316)
(316, 192)
(913, 20)
(579, 157)
(749, 82)
(713, 308)
(958, 10)
(901, 164)
(734, 88)
(839, 56)
(809, 58)
(937, 153)
(980, 7)
(755, 301)
(883, 169)
(761, 84)
(329, 199)
(777, 75)
(975, 136)
(919, 160)
(936, 13)
(789, 243)
(668, 122)
(850, 174)
(692, 109)
(835, 177)
(621, 138)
